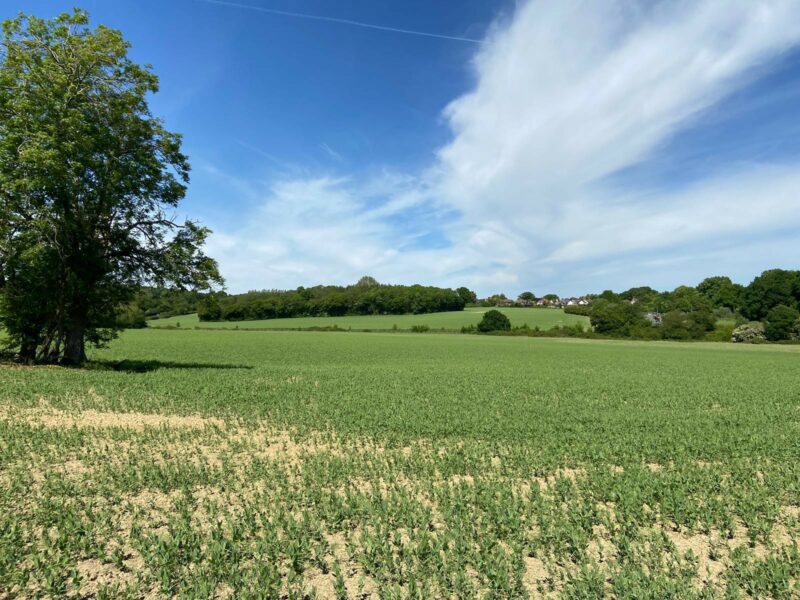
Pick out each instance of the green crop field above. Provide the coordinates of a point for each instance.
(257, 464)
(544, 318)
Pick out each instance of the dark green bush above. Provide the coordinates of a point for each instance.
(494, 320)
(780, 323)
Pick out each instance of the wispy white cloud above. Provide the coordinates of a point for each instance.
(331, 152)
(566, 95)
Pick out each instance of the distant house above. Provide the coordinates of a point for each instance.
(542, 302)
(505, 302)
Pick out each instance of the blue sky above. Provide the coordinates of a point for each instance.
(571, 147)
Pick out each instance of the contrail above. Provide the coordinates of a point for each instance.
(285, 13)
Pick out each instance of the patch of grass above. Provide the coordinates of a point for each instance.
(453, 321)
(276, 464)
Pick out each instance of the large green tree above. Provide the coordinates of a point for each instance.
(721, 291)
(89, 182)
(772, 288)
(780, 323)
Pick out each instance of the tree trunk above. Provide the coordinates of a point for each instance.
(74, 347)
(27, 350)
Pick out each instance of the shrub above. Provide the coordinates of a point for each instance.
(644, 331)
(749, 333)
(723, 332)
(780, 322)
(420, 328)
(680, 325)
(494, 320)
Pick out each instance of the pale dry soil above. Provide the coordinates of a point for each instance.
(109, 504)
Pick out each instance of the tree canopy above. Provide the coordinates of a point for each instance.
(88, 180)
(772, 288)
(332, 301)
(467, 295)
(494, 320)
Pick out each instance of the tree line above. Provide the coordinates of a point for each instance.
(769, 308)
(367, 297)
(157, 303)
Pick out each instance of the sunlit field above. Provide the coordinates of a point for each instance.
(197, 464)
(544, 318)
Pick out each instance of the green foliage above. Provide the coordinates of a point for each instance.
(723, 331)
(645, 297)
(367, 282)
(159, 302)
(770, 289)
(467, 295)
(721, 292)
(780, 323)
(130, 316)
(87, 177)
(494, 300)
(584, 310)
(359, 299)
(209, 309)
(611, 314)
(679, 325)
(642, 313)
(494, 320)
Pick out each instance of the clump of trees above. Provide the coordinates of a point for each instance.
(768, 308)
(467, 295)
(88, 181)
(493, 300)
(367, 297)
(780, 323)
(494, 320)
